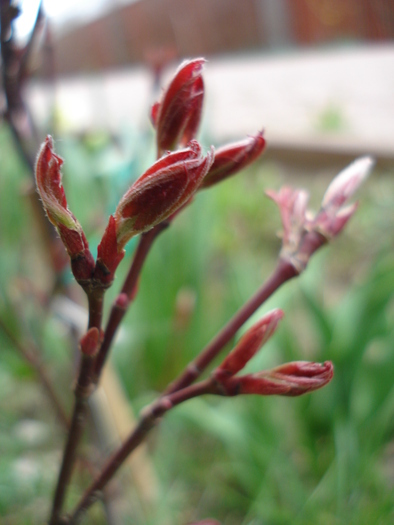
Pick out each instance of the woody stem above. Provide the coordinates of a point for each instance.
(82, 392)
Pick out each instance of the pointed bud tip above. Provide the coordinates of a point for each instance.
(234, 157)
(290, 379)
(177, 115)
(347, 182)
(249, 344)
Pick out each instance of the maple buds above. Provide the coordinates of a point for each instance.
(249, 344)
(332, 216)
(50, 188)
(293, 210)
(168, 184)
(234, 157)
(164, 188)
(303, 233)
(291, 379)
(177, 115)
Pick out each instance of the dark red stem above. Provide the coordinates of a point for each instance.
(148, 420)
(82, 392)
(118, 311)
(282, 273)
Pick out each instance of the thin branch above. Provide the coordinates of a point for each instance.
(282, 273)
(181, 389)
(149, 418)
(83, 390)
(118, 310)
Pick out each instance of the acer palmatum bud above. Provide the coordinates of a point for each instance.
(249, 344)
(109, 254)
(164, 188)
(234, 157)
(50, 188)
(291, 379)
(293, 211)
(177, 115)
(304, 232)
(332, 216)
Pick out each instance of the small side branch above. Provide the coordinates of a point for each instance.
(282, 273)
(120, 308)
(149, 418)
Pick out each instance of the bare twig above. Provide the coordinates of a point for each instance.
(24, 132)
(82, 392)
(149, 418)
(119, 309)
(282, 273)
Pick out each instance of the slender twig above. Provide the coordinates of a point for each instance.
(119, 309)
(31, 355)
(14, 67)
(96, 300)
(82, 392)
(282, 273)
(181, 389)
(14, 72)
(149, 418)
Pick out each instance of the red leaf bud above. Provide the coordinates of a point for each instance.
(249, 344)
(232, 158)
(290, 379)
(109, 254)
(333, 217)
(50, 188)
(304, 232)
(164, 188)
(177, 115)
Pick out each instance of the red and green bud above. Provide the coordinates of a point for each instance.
(232, 158)
(249, 344)
(50, 188)
(164, 188)
(291, 379)
(177, 115)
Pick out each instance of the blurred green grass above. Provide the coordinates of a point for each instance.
(326, 458)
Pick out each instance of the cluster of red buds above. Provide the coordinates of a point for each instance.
(153, 201)
(303, 231)
(165, 188)
(169, 185)
(291, 379)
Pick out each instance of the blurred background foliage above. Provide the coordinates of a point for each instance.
(326, 458)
